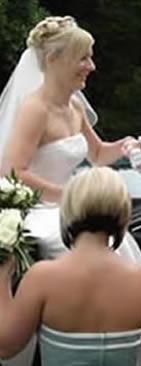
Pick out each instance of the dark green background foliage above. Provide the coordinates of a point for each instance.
(116, 85)
(114, 89)
(16, 19)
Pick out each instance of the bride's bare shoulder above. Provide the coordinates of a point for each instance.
(34, 102)
(32, 108)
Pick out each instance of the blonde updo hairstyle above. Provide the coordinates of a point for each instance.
(95, 200)
(54, 34)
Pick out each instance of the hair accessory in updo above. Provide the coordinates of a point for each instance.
(48, 28)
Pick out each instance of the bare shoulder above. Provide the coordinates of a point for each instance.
(132, 272)
(41, 269)
(29, 122)
(32, 106)
(36, 277)
(48, 269)
(126, 266)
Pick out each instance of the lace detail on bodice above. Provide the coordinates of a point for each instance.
(57, 160)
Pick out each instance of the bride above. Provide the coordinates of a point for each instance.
(45, 129)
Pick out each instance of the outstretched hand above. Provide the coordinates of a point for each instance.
(127, 142)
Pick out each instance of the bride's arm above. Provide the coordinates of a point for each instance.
(101, 152)
(21, 147)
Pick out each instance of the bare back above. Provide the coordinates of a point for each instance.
(102, 295)
(80, 292)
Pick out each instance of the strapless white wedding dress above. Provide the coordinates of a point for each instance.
(56, 162)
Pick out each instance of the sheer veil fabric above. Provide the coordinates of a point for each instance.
(26, 78)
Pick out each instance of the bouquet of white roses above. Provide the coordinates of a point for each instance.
(16, 199)
(15, 194)
(14, 240)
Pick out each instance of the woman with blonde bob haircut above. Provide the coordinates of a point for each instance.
(87, 302)
(103, 204)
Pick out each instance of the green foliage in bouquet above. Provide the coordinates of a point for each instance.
(16, 20)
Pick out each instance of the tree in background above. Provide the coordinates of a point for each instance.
(116, 85)
(16, 19)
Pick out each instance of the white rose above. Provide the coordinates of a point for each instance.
(9, 221)
(28, 190)
(6, 186)
(21, 193)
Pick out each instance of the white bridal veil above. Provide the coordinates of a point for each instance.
(25, 78)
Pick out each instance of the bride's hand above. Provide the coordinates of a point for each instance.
(129, 142)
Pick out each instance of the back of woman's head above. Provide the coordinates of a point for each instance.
(95, 200)
(54, 34)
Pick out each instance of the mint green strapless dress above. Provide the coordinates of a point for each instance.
(90, 349)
